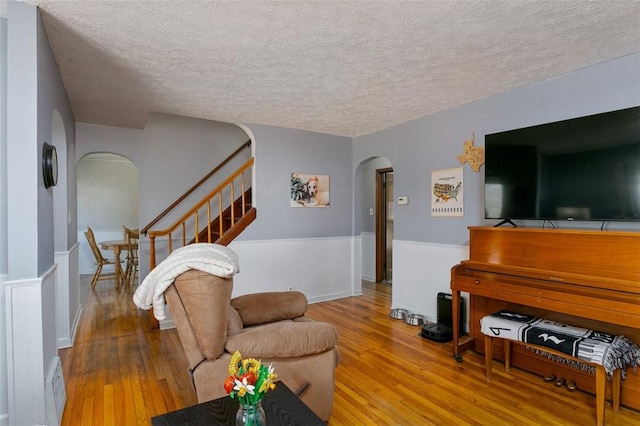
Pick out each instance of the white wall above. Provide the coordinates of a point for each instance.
(421, 271)
(368, 250)
(318, 267)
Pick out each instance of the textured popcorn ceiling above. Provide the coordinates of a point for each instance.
(339, 67)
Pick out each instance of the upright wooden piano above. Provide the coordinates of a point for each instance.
(586, 278)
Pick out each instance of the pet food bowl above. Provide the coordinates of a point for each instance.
(414, 319)
(398, 313)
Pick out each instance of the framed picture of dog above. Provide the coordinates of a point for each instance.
(309, 190)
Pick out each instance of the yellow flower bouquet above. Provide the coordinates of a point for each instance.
(249, 380)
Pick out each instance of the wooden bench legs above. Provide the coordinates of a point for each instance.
(601, 375)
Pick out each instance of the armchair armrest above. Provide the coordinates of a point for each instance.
(284, 340)
(261, 308)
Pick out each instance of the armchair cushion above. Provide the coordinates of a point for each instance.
(261, 308)
(234, 322)
(286, 339)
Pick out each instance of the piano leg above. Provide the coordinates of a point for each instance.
(488, 356)
(615, 389)
(455, 311)
(601, 378)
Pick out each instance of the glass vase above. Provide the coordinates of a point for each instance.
(251, 415)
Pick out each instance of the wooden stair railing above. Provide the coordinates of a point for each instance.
(212, 233)
(240, 215)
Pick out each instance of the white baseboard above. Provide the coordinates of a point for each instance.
(327, 297)
(167, 324)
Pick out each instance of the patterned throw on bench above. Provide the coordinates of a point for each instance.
(612, 352)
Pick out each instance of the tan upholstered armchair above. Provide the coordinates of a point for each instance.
(267, 326)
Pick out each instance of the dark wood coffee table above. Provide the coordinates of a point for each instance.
(281, 406)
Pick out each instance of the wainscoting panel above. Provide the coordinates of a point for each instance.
(368, 250)
(321, 268)
(31, 342)
(67, 295)
(420, 272)
(4, 397)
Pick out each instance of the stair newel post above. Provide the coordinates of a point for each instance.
(152, 251)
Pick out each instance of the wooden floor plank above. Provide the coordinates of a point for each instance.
(122, 370)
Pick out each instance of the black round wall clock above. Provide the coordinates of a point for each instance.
(49, 165)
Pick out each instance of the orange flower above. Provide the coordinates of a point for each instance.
(250, 376)
(229, 383)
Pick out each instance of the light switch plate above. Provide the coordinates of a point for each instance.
(403, 200)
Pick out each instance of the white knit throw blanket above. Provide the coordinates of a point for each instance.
(214, 259)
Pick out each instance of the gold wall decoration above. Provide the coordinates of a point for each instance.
(472, 154)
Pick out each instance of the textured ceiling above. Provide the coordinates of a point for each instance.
(339, 67)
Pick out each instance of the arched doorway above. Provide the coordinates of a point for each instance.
(108, 199)
(65, 249)
(374, 218)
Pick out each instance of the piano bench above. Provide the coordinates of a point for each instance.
(601, 375)
(596, 352)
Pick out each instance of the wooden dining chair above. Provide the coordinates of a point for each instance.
(101, 261)
(131, 271)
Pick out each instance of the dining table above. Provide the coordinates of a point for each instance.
(118, 246)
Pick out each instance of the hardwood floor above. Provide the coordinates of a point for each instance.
(122, 371)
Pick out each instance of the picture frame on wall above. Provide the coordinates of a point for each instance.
(309, 190)
(447, 193)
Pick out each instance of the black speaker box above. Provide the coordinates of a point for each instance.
(442, 331)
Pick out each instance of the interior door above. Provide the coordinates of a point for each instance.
(384, 225)
(388, 264)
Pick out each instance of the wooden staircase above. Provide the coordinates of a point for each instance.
(226, 227)
(223, 214)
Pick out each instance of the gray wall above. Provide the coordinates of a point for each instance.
(432, 143)
(52, 96)
(280, 152)
(3, 146)
(22, 124)
(4, 396)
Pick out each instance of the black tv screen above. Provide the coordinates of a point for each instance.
(585, 168)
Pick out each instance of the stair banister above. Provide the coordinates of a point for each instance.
(194, 211)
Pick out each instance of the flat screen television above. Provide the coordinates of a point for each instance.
(585, 168)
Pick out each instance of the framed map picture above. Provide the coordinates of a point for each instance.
(447, 193)
(308, 190)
